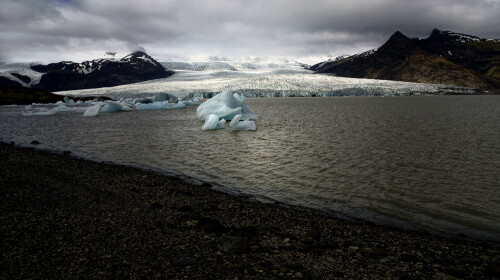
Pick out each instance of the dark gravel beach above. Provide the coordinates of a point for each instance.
(67, 218)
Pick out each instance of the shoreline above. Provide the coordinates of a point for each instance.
(65, 217)
(256, 198)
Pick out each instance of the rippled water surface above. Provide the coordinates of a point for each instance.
(430, 162)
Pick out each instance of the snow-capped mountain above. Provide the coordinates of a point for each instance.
(65, 75)
(444, 57)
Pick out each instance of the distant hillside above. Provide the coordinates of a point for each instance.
(135, 67)
(18, 95)
(443, 58)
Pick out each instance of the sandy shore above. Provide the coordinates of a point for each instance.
(66, 218)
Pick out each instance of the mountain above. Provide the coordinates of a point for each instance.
(133, 68)
(443, 58)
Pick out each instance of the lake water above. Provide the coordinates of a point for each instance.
(428, 162)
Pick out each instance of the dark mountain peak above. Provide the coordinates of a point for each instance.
(398, 36)
(449, 36)
(436, 33)
(398, 45)
(137, 54)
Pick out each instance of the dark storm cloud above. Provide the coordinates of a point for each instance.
(229, 27)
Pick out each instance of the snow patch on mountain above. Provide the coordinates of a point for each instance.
(23, 69)
(210, 63)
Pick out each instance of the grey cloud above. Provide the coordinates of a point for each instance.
(233, 27)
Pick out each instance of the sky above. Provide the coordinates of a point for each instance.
(77, 30)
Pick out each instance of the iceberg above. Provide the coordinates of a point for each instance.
(225, 105)
(212, 122)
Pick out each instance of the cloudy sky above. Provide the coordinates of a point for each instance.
(53, 30)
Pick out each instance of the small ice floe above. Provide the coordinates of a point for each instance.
(212, 122)
(94, 108)
(59, 108)
(115, 106)
(152, 106)
(160, 101)
(243, 125)
(92, 111)
(194, 102)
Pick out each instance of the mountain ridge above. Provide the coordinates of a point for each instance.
(444, 57)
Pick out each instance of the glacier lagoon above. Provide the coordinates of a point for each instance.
(429, 162)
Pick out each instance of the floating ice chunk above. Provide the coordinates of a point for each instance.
(113, 107)
(235, 120)
(152, 106)
(68, 100)
(194, 102)
(244, 125)
(92, 111)
(60, 108)
(240, 98)
(179, 105)
(212, 122)
(225, 105)
(247, 112)
(164, 97)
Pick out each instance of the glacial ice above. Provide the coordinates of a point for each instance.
(92, 111)
(244, 125)
(152, 106)
(159, 101)
(95, 107)
(194, 102)
(235, 120)
(226, 105)
(179, 105)
(164, 97)
(212, 122)
(59, 108)
(114, 106)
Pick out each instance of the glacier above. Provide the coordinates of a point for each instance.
(283, 82)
